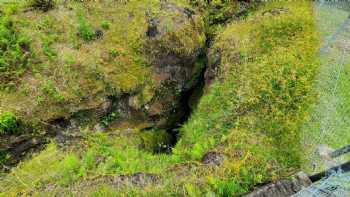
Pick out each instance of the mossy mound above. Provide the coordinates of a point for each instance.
(267, 68)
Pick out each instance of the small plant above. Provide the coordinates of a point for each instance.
(114, 52)
(43, 5)
(4, 156)
(47, 49)
(105, 25)
(8, 123)
(85, 30)
(108, 119)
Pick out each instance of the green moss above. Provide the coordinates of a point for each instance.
(220, 12)
(156, 140)
(268, 67)
(74, 71)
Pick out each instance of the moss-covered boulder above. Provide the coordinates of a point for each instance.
(173, 47)
(92, 63)
(147, 44)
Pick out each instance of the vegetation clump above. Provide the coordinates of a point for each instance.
(267, 71)
(85, 30)
(105, 24)
(14, 51)
(8, 123)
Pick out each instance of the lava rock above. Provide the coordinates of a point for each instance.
(174, 42)
(276, 11)
(152, 30)
(213, 158)
(99, 33)
(282, 188)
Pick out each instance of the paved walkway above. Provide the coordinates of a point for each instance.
(338, 185)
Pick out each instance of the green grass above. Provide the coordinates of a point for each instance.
(43, 167)
(101, 155)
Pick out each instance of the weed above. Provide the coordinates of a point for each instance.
(85, 30)
(8, 123)
(47, 49)
(114, 52)
(105, 25)
(10, 8)
(109, 118)
(69, 59)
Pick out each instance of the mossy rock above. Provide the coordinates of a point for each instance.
(156, 141)
(69, 74)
